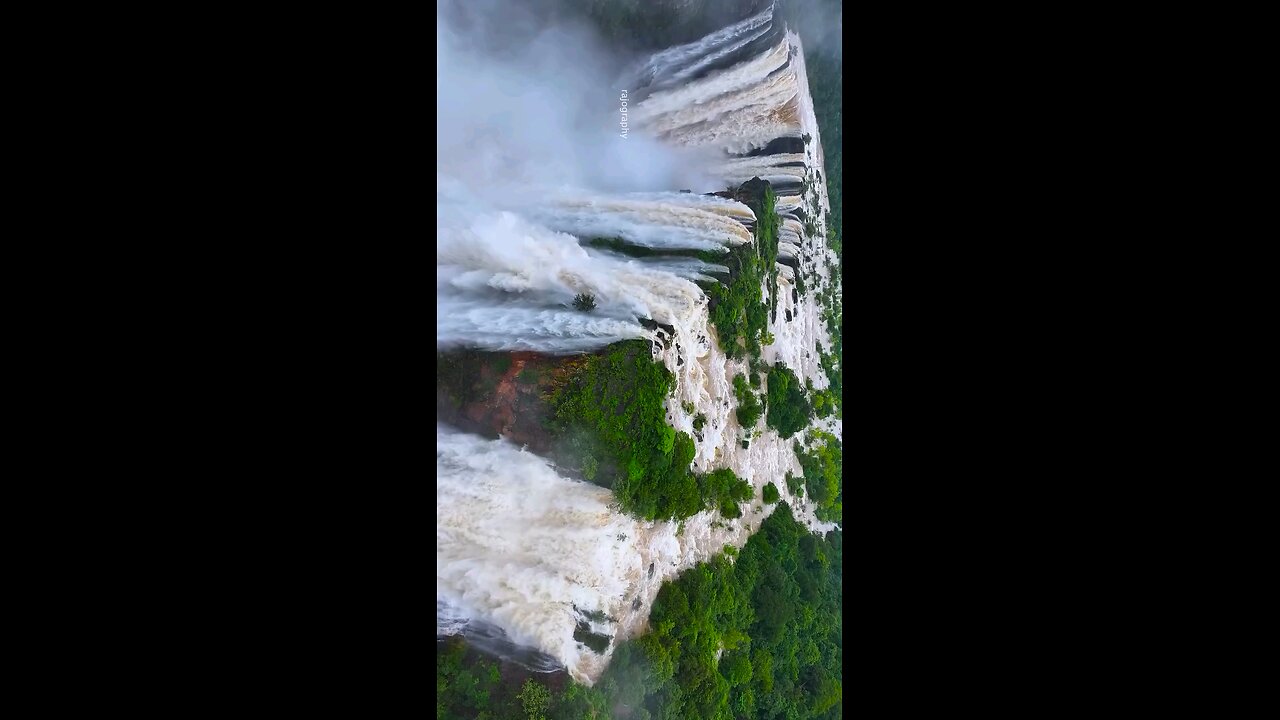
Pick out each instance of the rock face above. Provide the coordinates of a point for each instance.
(778, 146)
(649, 324)
(751, 193)
(495, 401)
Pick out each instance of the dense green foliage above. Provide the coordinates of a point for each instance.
(795, 485)
(770, 493)
(584, 302)
(738, 310)
(831, 365)
(536, 699)
(788, 409)
(749, 408)
(610, 410)
(822, 474)
(725, 490)
(776, 614)
(824, 401)
(473, 686)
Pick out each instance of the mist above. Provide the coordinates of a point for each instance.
(529, 129)
(533, 108)
(821, 25)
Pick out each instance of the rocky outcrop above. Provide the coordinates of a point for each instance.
(778, 146)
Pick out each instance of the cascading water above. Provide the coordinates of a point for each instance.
(521, 548)
(526, 556)
(505, 283)
(686, 61)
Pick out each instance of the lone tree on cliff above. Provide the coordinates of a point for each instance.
(585, 302)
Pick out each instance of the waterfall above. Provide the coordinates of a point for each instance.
(685, 61)
(505, 283)
(522, 548)
(529, 173)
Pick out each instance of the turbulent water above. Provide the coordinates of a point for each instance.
(520, 547)
(524, 555)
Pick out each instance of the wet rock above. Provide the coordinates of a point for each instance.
(778, 146)
(651, 324)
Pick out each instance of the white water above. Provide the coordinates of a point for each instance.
(656, 223)
(518, 545)
(505, 283)
(683, 61)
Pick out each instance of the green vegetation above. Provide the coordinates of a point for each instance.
(822, 468)
(749, 408)
(609, 409)
(824, 403)
(582, 633)
(825, 79)
(774, 607)
(812, 19)
(584, 302)
(776, 614)
(465, 375)
(699, 421)
(535, 699)
(501, 363)
(738, 310)
(770, 493)
(726, 490)
(789, 410)
(795, 485)
(472, 686)
(831, 366)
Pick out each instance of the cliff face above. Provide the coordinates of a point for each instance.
(493, 396)
(749, 193)
(504, 395)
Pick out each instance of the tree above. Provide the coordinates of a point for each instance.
(584, 302)
(737, 669)
(789, 411)
(770, 493)
(536, 699)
